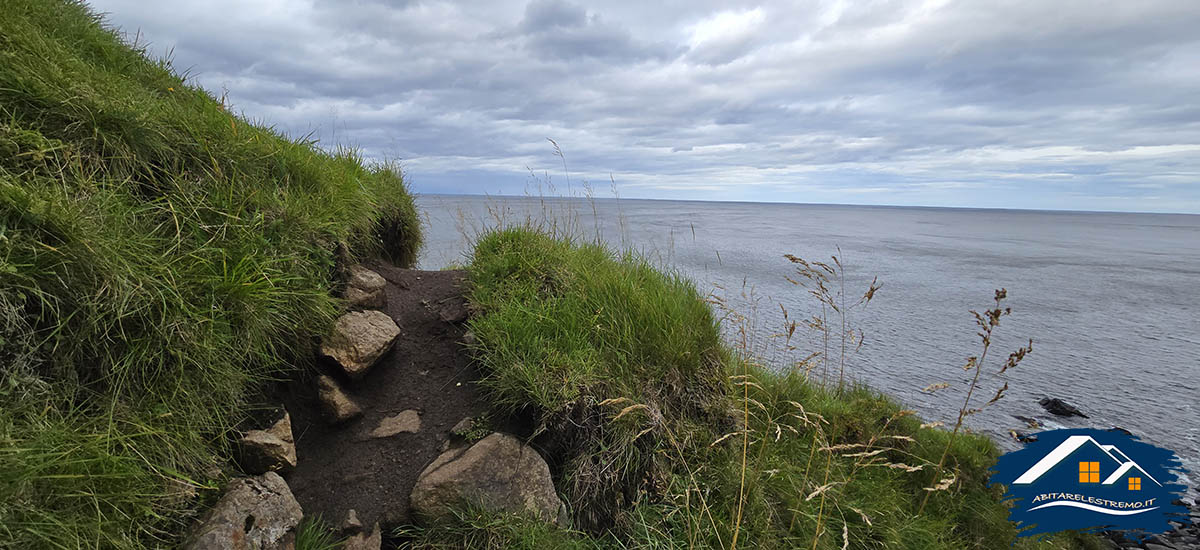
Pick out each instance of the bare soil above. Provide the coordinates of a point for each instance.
(428, 369)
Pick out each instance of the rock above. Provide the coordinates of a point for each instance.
(1023, 437)
(365, 288)
(1153, 546)
(270, 450)
(469, 339)
(1059, 407)
(498, 473)
(364, 541)
(408, 421)
(454, 311)
(257, 513)
(359, 339)
(1120, 429)
(351, 524)
(463, 426)
(1029, 421)
(335, 401)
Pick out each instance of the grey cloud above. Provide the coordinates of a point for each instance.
(557, 29)
(541, 15)
(936, 105)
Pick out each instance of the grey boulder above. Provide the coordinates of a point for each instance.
(255, 513)
(270, 450)
(1056, 406)
(365, 541)
(359, 339)
(365, 288)
(335, 401)
(499, 473)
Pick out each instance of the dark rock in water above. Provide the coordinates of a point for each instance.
(1029, 421)
(1023, 437)
(1059, 407)
(1120, 429)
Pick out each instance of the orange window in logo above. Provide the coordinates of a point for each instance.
(1135, 484)
(1089, 472)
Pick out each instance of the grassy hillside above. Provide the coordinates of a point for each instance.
(662, 437)
(158, 256)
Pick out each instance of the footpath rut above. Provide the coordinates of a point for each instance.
(343, 466)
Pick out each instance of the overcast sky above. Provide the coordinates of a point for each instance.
(1023, 104)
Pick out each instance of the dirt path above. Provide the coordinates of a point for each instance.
(341, 467)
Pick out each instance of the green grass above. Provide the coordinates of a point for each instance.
(159, 256)
(642, 411)
(314, 533)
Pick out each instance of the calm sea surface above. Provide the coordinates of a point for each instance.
(1109, 299)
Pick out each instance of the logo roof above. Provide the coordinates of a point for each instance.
(1074, 443)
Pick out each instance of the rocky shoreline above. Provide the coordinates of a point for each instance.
(1185, 536)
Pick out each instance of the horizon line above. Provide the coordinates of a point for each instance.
(929, 207)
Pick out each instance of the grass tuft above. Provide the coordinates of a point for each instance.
(159, 256)
(661, 436)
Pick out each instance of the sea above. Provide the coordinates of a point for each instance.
(1111, 301)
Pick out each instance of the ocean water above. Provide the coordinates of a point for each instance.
(1110, 299)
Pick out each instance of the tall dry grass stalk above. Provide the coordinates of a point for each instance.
(827, 283)
(987, 323)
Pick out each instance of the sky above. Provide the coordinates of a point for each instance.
(1065, 104)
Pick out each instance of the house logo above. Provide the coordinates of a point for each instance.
(1091, 479)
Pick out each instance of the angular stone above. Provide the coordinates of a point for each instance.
(357, 298)
(463, 426)
(351, 524)
(365, 288)
(454, 311)
(408, 421)
(335, 401)
(365, 541)
(270, 450)
(359, 339)
(498, 473)
(254, 513)
(365, 279)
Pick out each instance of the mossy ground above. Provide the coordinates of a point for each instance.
(159, 256)
(663, 437)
